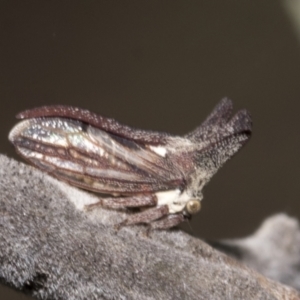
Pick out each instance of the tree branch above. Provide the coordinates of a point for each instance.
(51, 249)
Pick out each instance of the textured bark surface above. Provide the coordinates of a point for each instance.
(52, 250)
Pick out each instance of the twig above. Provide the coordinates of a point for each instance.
(53, 250)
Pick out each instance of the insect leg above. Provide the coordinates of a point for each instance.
(123, 202)
(168, 221)
(146, 216)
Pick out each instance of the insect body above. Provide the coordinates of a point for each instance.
(162, 174)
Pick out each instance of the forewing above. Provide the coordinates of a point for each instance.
(93, 159)
(106, 124)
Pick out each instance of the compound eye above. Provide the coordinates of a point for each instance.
(193, 206)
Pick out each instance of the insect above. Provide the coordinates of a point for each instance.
(160, 174)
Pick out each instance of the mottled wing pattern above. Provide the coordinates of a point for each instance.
(93, 159)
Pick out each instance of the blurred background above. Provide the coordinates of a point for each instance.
(163, 65)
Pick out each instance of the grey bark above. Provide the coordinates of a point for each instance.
(53, 250)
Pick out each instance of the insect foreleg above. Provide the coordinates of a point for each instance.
(169, 221)
(123, 202)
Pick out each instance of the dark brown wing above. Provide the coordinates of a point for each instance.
(93, 159)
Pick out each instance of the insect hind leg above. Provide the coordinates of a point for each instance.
(145, 217)
(124, 202)
(168, 221)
